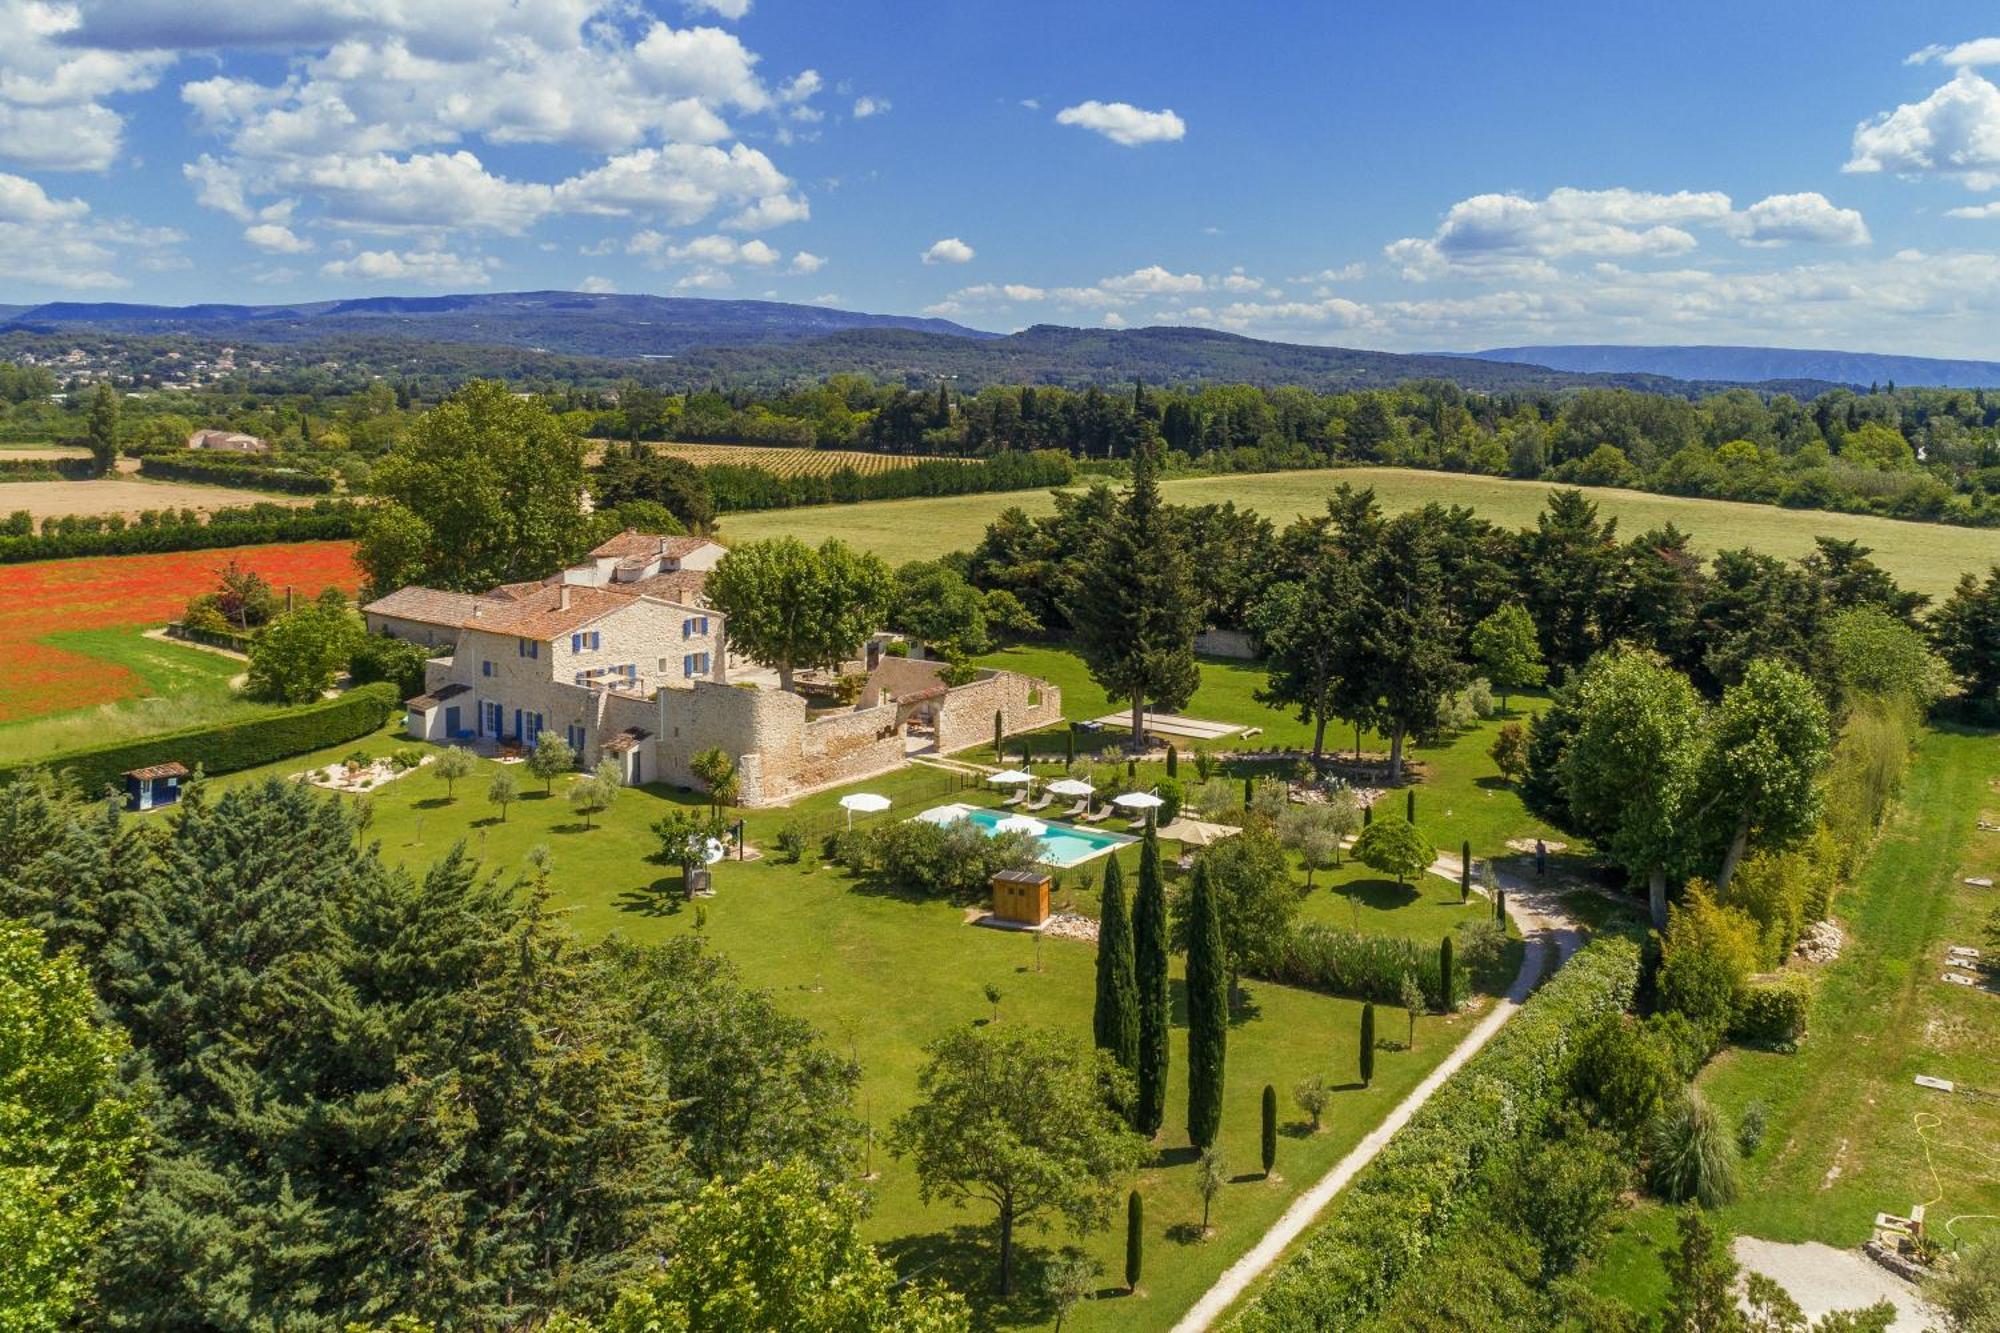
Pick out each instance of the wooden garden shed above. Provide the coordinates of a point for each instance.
(1021, 896)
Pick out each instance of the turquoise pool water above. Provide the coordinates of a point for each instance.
(1062, 845)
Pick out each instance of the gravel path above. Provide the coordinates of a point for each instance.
(1821, 1279)
(1551, 938)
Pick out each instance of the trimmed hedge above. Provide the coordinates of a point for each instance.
(1361, 967)
(1408, 1197)
(252, 476)
(46, 469)
(228, 746)
(339, 520)
(1772, 1011)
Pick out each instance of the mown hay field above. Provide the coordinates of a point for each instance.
(787, 462)
(1926, 557)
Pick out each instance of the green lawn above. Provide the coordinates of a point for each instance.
(1844, 1139)
(881, 973)
(184, 687)
(1926, 557)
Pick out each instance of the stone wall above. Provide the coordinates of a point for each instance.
(413, 631)
(965, 715)
(1227, 643)
(779, 752)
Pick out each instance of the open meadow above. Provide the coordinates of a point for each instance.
(1925, 557)
(881, 971)
(76, 667)
(787, 461)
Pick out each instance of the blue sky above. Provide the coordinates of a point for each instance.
(1414, 176)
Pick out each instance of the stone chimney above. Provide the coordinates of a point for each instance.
(562, 603)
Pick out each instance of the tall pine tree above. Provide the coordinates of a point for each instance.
(1134, 605)
(1116, 1017)
(1156, 1010)
(1208, 1011)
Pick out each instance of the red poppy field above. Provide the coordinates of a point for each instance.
(39, 599)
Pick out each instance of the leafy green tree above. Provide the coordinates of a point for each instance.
(1018, 1119)
(456, 762)
(1149, 947)
(776, 1251)
(1760, 775)
(596, 792)
(102, 430)
(1068, 1281)
(1394, 846)
(1255, 902)
(550, 759)
(1629, 770)
(1115, 1016)
(495, 483)
(1133, 603)
(791, 606)
(1309, 631)
(1875, 655)
(716, 772)
(933, 603)
(1314, 832)
(1701, 1279)
(1966, 1295)
(1569, 569)
(71, 1136)
(289, 999)
(1210, 1175)
(1707, 953)
(296, 657)
(1966, 630)
(751, 1083)
(684, 836)
(1410, 632)
(1561, 1189)
(1508, 652)
(1208, 1008)
(502, 792)
(1311, 1096)
(1509, 752)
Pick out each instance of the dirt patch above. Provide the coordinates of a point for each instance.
(45, 451)
(123, 495)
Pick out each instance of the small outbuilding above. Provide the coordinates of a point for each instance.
(154, 786)
(1021, 897)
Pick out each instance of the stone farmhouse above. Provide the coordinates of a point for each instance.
(227, 442)
(623, 656)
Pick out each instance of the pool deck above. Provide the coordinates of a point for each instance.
(1101, 841)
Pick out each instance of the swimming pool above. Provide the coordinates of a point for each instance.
(1062, 845)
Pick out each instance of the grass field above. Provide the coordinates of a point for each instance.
(881, 973)
(71, 651)
(128, 495)
(1926, 557)
(788, 462)
(1850, 1134)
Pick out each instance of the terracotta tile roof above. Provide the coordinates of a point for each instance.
(677, 585)
(514, 592)
(424, 702)
(431, 606)
(626, 740)
(542, 615)
(167, 770)
(631, 545)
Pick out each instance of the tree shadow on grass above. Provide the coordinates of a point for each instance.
(1180, 1156)
(661, 898)
(433, 803)
(1296, 1129)
(1185, 1233)
(966, 1258)
(1382, 895)
(1492, 782)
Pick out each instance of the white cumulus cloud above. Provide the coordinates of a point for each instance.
(1123, 123)
(864, 107)
(806, 262)
(274, 238)
(430, 268)
(1153, 280)
(1955, 132)
(1810, 218)
(950, 250)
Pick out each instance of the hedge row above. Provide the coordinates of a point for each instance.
(299, 526)
(1409, 1196)
(228, 746)
(738, 487)
(1361, 967)
(237, 474)
(47, 469)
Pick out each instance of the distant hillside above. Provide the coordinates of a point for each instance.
(1052, 354)
(567, 323)
(1754, 364)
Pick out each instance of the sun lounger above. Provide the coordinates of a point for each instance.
(1015, 797)
(1137, 826)
(1082, 807)
(1097, 818)
(1042, 802)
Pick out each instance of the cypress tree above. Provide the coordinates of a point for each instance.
(1246, 793)
(1270, 1139)
(1173, 760)
(1156, 1013)
(1208, 1011)
(1410, 805)
(1500, 906)
(1368, 1044)
(1069, 746)
(999, 735)
(1367, 814)
(1445, 978)
(1465, 870)
(1116, 1018)
(1135, 1239)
